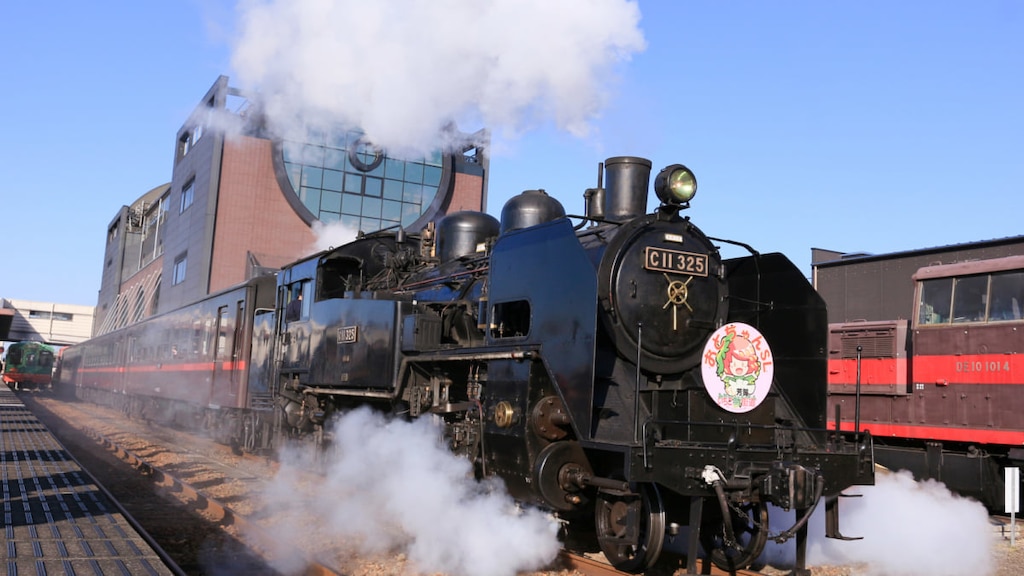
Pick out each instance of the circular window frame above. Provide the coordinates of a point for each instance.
(436, 207)
(357, 162)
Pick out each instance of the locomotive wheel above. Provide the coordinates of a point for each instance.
(750, 527)
(614, 522)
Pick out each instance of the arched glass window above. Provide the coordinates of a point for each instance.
(343, 178)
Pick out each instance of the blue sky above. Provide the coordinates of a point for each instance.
(870, 126)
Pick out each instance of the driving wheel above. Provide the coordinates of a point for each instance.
(631, 527)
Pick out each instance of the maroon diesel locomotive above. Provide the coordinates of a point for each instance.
(938, 387)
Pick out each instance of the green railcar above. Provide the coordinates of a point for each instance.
(28, 365)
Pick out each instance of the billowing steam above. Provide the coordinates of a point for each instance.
(392, 486)
(331, 235)
(908, 528)
(405, 71)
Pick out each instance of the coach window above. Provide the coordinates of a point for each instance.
(936, 297)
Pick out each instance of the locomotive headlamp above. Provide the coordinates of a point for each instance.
(675, 185)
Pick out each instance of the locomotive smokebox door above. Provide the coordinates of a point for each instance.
(661, 286)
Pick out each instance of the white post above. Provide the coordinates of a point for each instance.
(1011, 495)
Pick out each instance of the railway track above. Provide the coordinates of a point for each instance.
(143, 447)
(224, 515)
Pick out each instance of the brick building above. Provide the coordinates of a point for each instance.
(242, 203)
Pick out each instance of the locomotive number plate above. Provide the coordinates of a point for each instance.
(675, 261)
(348, 334)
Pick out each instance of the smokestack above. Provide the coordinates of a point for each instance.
(626, 191)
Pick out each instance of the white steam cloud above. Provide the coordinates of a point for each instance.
(391, 486)
(331, 235)
(908, 528)
(404, 70)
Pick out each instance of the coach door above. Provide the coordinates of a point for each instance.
(222, 365)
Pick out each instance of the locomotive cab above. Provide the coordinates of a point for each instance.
(338, 274)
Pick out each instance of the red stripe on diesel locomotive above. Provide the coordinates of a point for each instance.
(969, 369)
(942, 370)
(872, 371)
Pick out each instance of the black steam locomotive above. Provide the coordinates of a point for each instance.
(617, 371)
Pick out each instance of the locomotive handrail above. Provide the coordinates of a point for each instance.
(347, 392)
(460, 355)
(593, 219)
(748, 247)
(735, 422)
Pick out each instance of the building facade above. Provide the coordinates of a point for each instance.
(241, 203)
(56, 324)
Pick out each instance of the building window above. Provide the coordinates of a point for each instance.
(346, 179)
(188, 140)
(184, 145)
(153, 232)
(180, 267)
(187, 194)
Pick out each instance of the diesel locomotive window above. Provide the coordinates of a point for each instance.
(344, 179)
(970, 299)
(996, 297)
(1007, 296)
(511, 319)
(936, 301)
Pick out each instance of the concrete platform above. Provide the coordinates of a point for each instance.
(56, 519)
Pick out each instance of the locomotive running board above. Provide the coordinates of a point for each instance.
(832, 517)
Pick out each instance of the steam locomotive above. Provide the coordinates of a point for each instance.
(616, 371)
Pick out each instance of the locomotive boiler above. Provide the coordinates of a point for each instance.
(610, 367)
